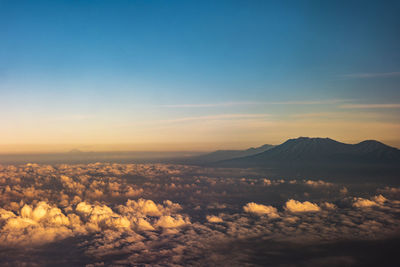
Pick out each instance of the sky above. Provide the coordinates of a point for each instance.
(196, 75)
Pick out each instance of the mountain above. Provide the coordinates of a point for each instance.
(221, 155)
(75, 151)
(319, 151)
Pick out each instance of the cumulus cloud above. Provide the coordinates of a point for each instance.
(318, 183)
(146, 207)
(379, 199)
(297, 206)
(35, 225)
(214, 219)
(130, 214)
(267, 182)
(344, 190)
(167, 221)
(390, 191)
(359, 202)
(260, 209)
(328, 205)
(44, 223)
(101, 217)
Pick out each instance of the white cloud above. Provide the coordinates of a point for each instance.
(329, 206)
(297, 206)
(260, 209)
(254, 103)
(373, 106)
(362, 203)
(344, 190)
(219, 117)
(145, 207)
(318, 183)
(171, 222)
(267, 182)
(35, 225)
(115, 230)
(379, 199)
(214, 219)
(359, 202)
(210, 105)
(143, 225)
(390, 191)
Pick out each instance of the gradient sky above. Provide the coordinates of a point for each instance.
(172, 75)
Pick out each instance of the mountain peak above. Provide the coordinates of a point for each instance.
(371, 143)
(312, 139)
(326, 150)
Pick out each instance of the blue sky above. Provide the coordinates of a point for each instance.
(112, 72)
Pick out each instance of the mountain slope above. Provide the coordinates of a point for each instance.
(221, 155)
(315, 151)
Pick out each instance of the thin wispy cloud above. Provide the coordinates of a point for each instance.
(371, 75)
(310, 102)
(218, 117)
(209, 105)
(366, 106)
(340, 115)
(315, 115)
(255, 103)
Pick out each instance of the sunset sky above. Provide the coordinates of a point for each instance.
(196, 75)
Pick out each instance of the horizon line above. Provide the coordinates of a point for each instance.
(182, 147)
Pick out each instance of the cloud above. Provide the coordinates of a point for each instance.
(219, 117)
(390, 191)
(209, 105)
(35, 225)
(171, 222)
(359, 202)
(370, 106)
(160, 226)
(318, 183)
(379, 199)
(329, 206)
(101, 217)
(44, 223)
(310, 102)
(217, 206)
(344, 190)
(267, 182)
(142, 206)
(260, 209)
(297, 206)
(214, 219)
(255, 103)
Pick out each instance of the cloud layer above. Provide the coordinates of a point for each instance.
(128, 214)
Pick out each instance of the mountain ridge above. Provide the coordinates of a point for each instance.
(220, 155)
(321, 150)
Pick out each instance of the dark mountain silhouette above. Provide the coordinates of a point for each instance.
(75, 151)
(324, 158)
(221, 155)
(321, 151)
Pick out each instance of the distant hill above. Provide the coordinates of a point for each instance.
(221, 155)
(305, 150)
(75, 151)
